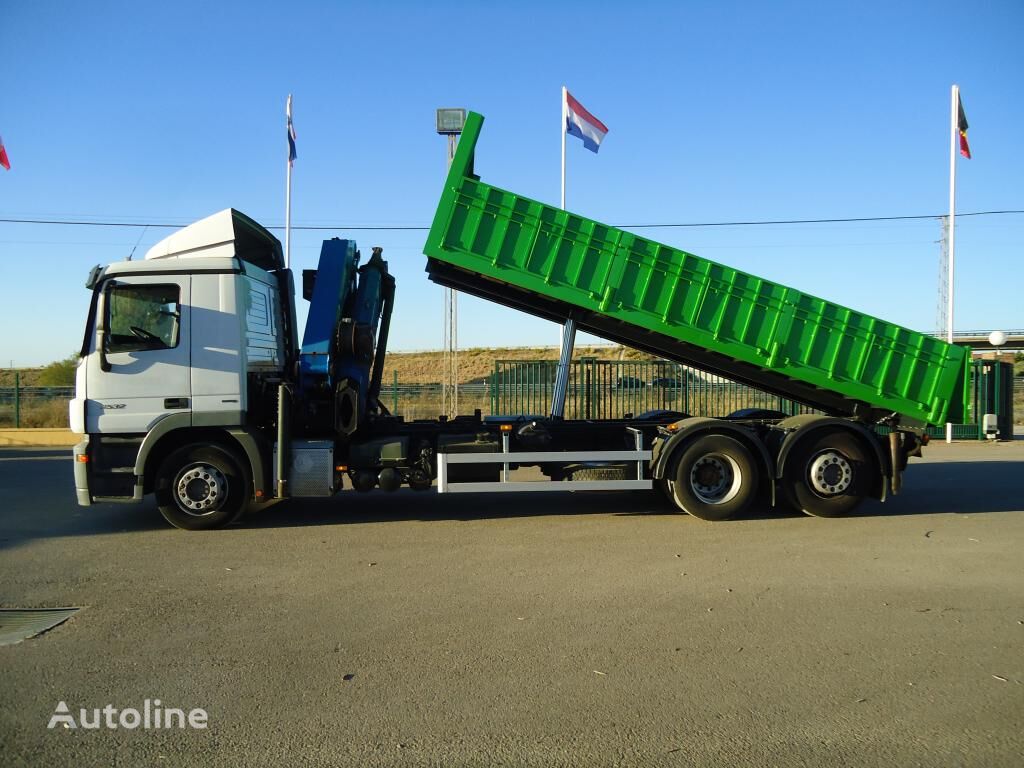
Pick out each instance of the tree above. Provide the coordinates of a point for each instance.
(60, 373)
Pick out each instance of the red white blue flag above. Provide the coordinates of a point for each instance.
(583, 125)
(3, 156)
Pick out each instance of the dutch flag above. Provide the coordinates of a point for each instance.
(582, 124)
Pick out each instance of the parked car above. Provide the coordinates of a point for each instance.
(668, 382)
(629, 382)
(678, 380)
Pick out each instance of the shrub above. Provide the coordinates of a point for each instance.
(59, 374)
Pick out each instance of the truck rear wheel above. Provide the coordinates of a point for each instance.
(201, 487)
(825, 474)
(715, 478)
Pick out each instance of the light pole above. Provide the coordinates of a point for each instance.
(450, 123)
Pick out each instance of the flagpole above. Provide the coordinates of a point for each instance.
(561, 338)
(567, 338)
(953, 131)
(562, 130)
(288, 196)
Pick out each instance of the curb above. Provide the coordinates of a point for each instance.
(44, 437)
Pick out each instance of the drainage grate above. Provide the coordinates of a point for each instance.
(17, 624)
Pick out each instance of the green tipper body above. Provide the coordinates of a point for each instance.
(556, 264)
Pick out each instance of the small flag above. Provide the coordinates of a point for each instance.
(961, 122)
(291, 133)
(582, 124)
(3, 155)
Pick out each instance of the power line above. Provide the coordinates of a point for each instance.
(814, 221)
(357, 227)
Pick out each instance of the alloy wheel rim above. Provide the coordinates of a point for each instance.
(201, 489)
(715, 478)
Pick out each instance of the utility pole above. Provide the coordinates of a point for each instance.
(942, 310)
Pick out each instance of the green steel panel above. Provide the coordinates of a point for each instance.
(762, 328)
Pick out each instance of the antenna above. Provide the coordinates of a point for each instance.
(141, 235)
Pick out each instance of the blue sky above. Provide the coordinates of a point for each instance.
(724, 111)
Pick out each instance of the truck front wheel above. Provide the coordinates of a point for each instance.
(715, 478)
(201, 487)
(825, 474)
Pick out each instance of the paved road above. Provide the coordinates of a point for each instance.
(587, 630)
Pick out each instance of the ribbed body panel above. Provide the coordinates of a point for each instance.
(861, 365)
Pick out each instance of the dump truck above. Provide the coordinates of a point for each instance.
(192, 384)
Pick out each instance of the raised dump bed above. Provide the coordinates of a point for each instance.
(556, 264)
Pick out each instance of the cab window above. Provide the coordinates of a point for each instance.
(141, 317)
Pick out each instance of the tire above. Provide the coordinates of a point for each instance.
(826, 474)
(715, 478)
(201, 487)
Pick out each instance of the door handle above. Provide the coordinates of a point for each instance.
(175, 402)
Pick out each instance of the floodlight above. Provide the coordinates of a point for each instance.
(450, 121)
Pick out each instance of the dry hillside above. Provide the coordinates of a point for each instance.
(477, 364)
(425, 367)
(27, 377)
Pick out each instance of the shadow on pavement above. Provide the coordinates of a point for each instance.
(939, 488)
(956, 487)
(68, 519)
(38, 503)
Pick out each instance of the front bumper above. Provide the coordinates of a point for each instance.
(82, 472)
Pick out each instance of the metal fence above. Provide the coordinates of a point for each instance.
(47, 406)
(598, 389)
(611, 389)
(34, 406)
(603, 389)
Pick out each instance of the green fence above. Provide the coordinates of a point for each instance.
(34, 406)
(613, 389)
(598, 389)
(608, 389)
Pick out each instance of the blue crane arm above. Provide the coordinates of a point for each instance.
(344, 343)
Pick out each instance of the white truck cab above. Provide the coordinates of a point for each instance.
(179, 345)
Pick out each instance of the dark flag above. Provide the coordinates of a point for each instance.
(961, 122)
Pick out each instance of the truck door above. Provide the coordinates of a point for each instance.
(141, 373)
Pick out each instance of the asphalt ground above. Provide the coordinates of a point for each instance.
(580, 629)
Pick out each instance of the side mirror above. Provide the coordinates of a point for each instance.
(94, 277)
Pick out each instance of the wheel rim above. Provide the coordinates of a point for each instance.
(201, 490)
(831, 474)
(715, 478)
